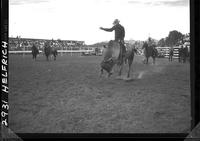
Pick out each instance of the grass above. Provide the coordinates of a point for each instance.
(68, 96)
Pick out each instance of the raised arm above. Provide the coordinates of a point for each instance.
(108, 29)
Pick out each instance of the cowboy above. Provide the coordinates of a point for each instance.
(119, 36)
(171, 53)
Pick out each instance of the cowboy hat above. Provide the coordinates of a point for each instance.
(116, 21)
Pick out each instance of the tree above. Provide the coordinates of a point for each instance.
(173, 38)
(161, 42)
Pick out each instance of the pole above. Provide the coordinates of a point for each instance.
(62, 49)
(24, 51)
(71, 50)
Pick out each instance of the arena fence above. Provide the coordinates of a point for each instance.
(22, 52)
(165, 51)
(162, 50)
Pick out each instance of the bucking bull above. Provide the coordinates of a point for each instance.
(111, 54)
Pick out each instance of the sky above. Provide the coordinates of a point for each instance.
(80, 19)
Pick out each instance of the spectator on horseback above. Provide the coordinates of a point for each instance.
(35, 50)
(152, 44)
(33, 46)
(119, 36)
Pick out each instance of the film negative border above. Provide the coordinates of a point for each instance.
(4, 63)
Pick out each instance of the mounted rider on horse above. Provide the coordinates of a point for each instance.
(149, 50)
(35, 51)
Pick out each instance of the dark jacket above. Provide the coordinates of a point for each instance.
(171, 52)
(119, 32)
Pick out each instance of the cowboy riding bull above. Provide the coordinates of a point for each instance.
(115, 52)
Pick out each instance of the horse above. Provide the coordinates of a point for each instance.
(35, 51)
(183, 54)
(48, 51)
(111, 55)
(149, 51)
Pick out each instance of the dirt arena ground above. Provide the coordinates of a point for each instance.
(68, 96)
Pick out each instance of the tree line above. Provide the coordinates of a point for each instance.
(174, 38)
